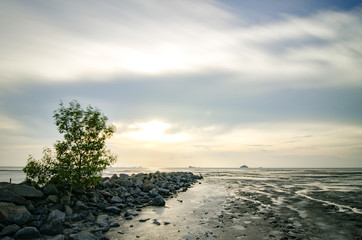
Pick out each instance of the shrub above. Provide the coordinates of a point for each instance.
(81, 156)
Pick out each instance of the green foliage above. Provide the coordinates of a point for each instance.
(81, 157)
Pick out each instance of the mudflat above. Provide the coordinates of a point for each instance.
(255, 205)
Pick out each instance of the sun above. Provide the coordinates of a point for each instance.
(155, 131)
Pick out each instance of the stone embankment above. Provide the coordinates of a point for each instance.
(53, 212)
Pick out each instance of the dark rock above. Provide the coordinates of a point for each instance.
(163, 191)
(84, 235)
(11, 213)
(81, 206)
(28, 233)
(156, 222)
(52, 198)
(153, 192)
(9, 196)
(114, 225)
(54, 223)
(114, 176)
(144, 219)
(50, 189)
(158, 201)
(52, 228)
(23, 190)
(116, 199)
(113, 209)
(9, 230)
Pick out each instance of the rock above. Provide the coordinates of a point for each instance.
(52, 198)
(116, 199)
(50, 189)
(11, 213)
(54, 223)
(9, 196)
(68, 210)
(153, 192)
(114, 225)
(23, 190)
(113, 209)
(81, 206)
(52, 228)
(56, 215)
(114, 176)
(9, 230)
(107, 183)
(64, 200)
(158, 201)
(156, 222)
(57, 237)
(28, 233)
(147, 186)
(144, 219)
(163, 192)
(84, 235)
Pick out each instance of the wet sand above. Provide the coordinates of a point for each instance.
(242, 208)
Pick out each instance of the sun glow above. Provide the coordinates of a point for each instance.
(154, 131)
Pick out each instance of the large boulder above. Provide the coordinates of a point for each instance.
(9, 196)
(158, 201)
(25, 190)
(11, 213)
(28, 233)
(54, 223)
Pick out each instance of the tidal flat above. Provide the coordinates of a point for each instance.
(256, 204)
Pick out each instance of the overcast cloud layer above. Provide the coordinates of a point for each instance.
(209, 83)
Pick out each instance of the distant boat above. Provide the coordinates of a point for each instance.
(191, 167)
(244, 166)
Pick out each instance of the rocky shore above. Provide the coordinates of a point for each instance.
(52, 212)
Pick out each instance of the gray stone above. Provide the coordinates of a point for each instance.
(81, 206)
(107, 183)
(84, 235)
(9, 230)
(158, 201)
(50, 189)
(147, 186)
(56, 215)
(52, 198)
(28, 233)
(52, 228)
(9, 196)
(68, 210)
(113, 209)
(11, 213)
(25, 191)
(54, 223)
(116, 199)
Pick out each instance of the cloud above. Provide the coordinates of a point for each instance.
(108, 40)
(259, 141)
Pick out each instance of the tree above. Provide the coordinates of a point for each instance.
(81, 157)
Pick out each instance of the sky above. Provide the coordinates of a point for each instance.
(188, 83)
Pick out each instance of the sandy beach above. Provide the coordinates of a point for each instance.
(231, 207)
